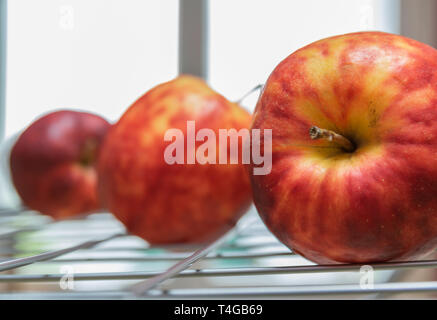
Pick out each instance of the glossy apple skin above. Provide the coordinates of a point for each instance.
(179, 203)
(378, 203)
(52, 163)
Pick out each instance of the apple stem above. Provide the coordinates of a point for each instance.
(344, 143)
(258, 87)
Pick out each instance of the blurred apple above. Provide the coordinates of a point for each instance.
(52, 163)
(180, 202)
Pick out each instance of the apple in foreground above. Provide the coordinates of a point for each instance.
(354, 149)
(184, 202)
(53, 163)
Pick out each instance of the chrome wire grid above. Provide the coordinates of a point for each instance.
(97, 260)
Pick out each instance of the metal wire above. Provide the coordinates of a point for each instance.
(217, 270)
(15, 263)
(142, 288)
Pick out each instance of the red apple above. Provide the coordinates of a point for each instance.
(173, 203)
(354, 148)
(52, 163)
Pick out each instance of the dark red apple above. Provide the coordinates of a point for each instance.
(52, 163)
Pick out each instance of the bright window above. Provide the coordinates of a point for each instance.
(98, 55)
(250, 37)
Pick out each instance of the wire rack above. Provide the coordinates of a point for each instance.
(93, 258)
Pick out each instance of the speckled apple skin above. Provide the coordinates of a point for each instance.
(46, 166)
(378, 203)
(179, 203)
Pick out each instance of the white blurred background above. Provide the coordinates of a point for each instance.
(100, 55)
(97, 55)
